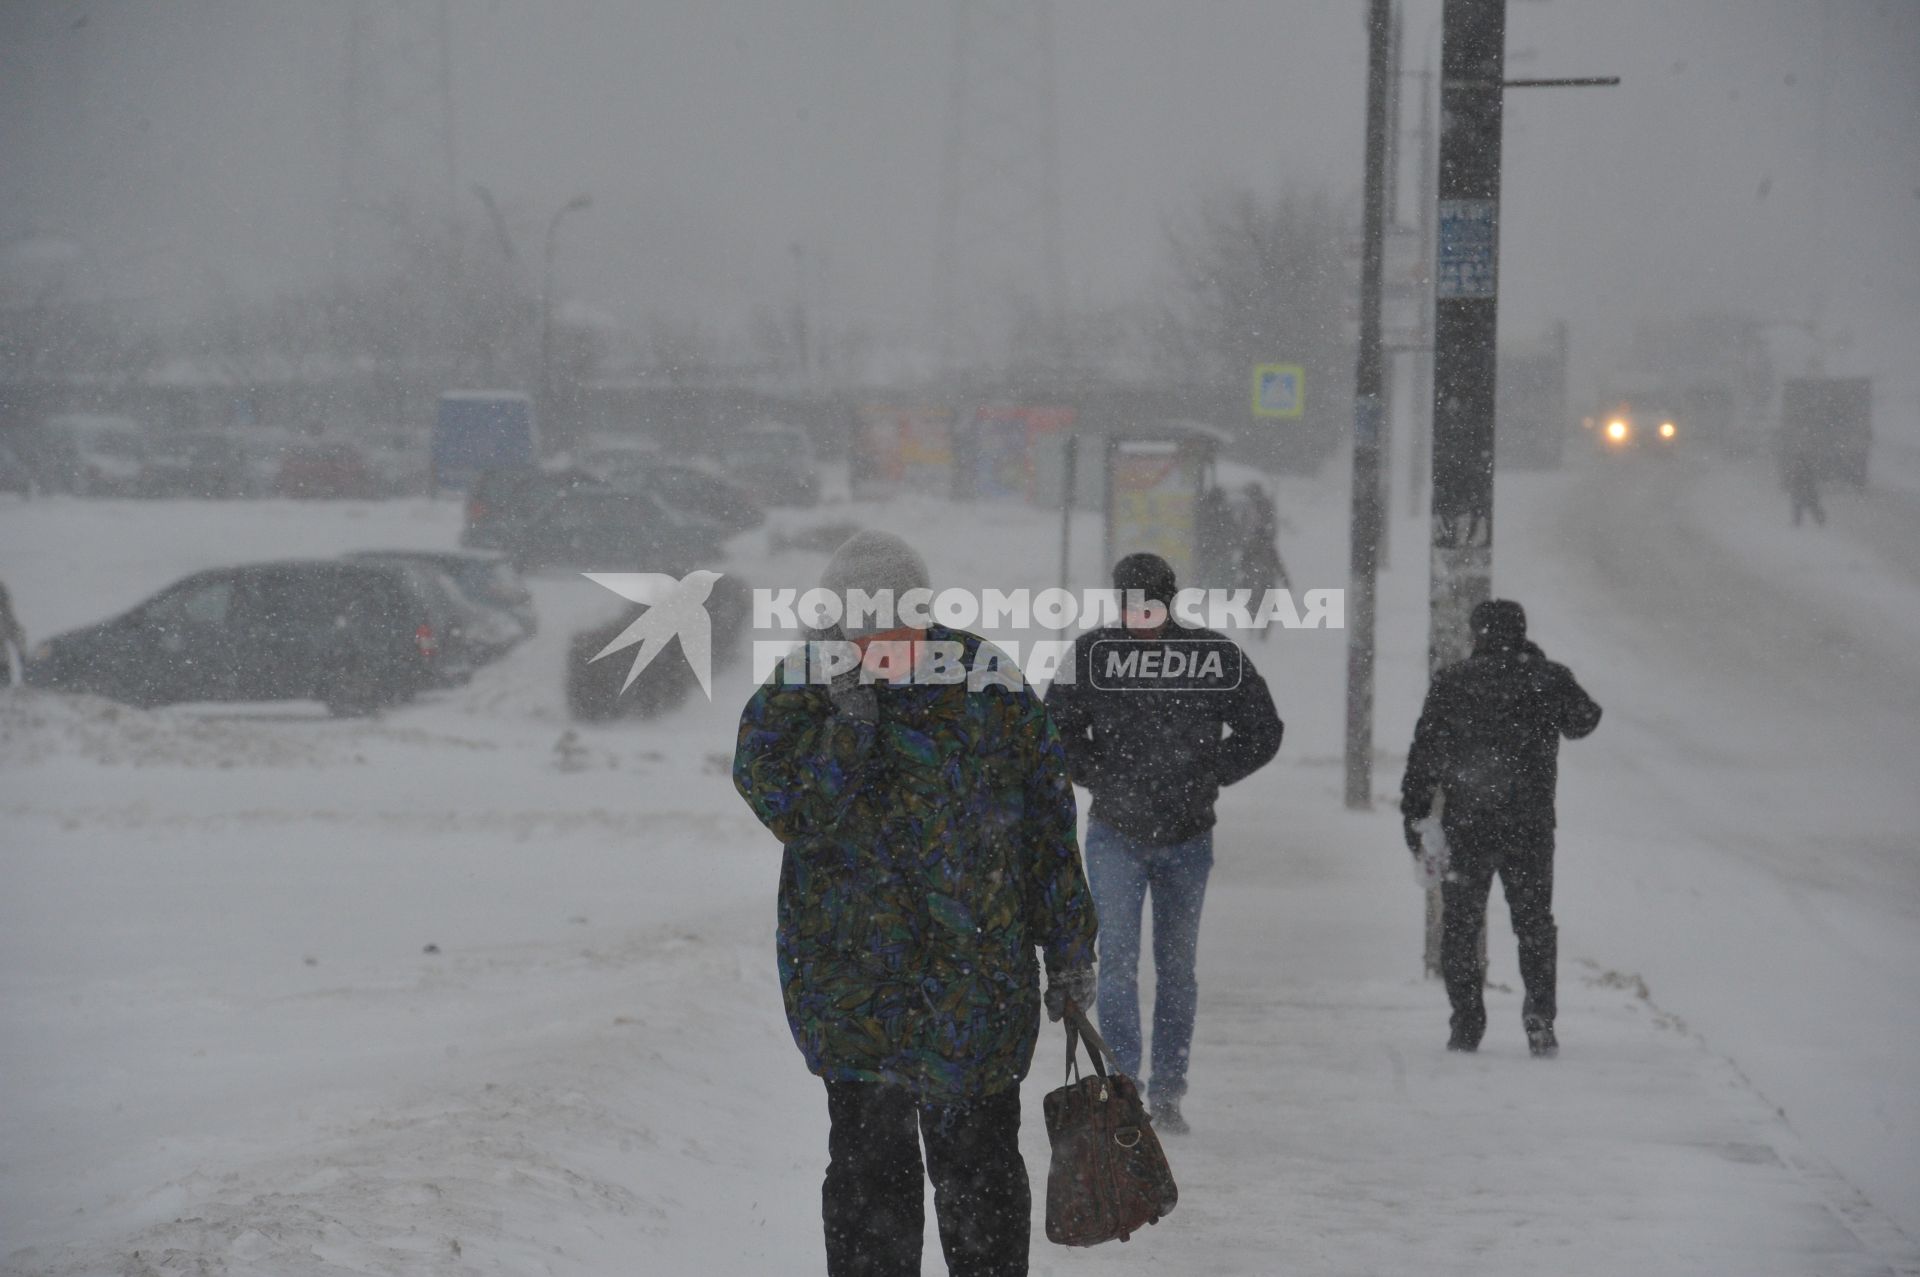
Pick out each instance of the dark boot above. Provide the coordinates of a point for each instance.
(1464, 898)
(1165, 1116)
(1467, 1031)
(1540, 1039)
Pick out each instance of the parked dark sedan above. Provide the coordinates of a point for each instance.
(596, 689)
(505, 499)
(686, 487)
(570, 519)
(195, 463)
(325, 471)
(354, 636)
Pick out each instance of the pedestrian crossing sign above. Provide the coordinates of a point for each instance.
(1278, 390)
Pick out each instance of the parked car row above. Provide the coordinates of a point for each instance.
(572, 518)
(687, 487)
(99, 455)
(357, 633)
(775, 462)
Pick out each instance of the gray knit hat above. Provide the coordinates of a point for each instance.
(873, 562)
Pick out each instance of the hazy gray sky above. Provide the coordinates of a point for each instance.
(1762, 154)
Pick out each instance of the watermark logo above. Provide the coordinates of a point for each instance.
(1151, 645)
(1166, 665)
(674, 607)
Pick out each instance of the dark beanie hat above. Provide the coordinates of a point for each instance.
(1499, 623)
(1148, 573)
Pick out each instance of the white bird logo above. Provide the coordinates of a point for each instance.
(673, 607)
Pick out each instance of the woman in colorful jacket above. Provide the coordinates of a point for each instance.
(930, 847)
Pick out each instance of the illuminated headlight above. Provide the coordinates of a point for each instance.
(1666, 430)
(1617, 431)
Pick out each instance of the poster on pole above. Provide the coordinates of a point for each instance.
(1153, 503)
(905, 448)
(1468, 257)
(1011, 446)
(1279, 390)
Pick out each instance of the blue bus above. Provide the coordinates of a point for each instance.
(482, 430)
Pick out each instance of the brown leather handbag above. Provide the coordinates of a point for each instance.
(1108, 1175)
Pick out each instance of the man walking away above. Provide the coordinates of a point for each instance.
(1261, 567)
(930, 845)
(1488, 745)
(1155, 759)
(1803, 484)
(13, 642)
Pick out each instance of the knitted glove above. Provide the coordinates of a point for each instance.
(853, 699)
(850, 698)
(1076, 986)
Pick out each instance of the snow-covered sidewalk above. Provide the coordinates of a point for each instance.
(226, 1046)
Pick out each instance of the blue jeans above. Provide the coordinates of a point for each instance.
(1121, 871)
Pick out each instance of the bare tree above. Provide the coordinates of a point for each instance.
(1253, 280)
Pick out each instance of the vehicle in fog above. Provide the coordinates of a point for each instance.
(615, 461)
(688, 487)
(92, 454)
(486, 579)
(615, 528)
(324, 471)
(775, 462)
(399, 463)
(206, 464)
(595, 688)
(503, 501)
(572, 519)
(469, 635)
(1629, 429)
(353, 636)
(478, 430)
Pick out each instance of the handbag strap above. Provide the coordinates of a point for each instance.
(1078, 1026)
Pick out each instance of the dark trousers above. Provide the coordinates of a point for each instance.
(872, 1201)
(1524, 863)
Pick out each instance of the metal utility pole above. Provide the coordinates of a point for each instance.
(1423, 413)
(1466, 314)
(1367, 411)
(573, 205)
(1390, 199)
(1000, 229)
(1069, 485)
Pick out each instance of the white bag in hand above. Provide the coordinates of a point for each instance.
(1430, 866)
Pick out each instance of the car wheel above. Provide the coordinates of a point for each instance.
(355, 694)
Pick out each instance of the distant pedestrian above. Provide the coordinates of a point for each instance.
(930, 845)
(1155, 760)
(13, 640)
(1803, 485)
(1261, 567)
(1487, 746)
(1216, 538)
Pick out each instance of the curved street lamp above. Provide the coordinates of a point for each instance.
(573, 205)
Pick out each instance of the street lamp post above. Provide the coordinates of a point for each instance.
(573, 205)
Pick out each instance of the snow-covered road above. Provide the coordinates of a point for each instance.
(224, 1046)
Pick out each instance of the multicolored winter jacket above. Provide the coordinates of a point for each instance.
(926, 856)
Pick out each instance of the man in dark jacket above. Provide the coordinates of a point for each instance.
(930, 846)
(1154, 756)
(1487, 746)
